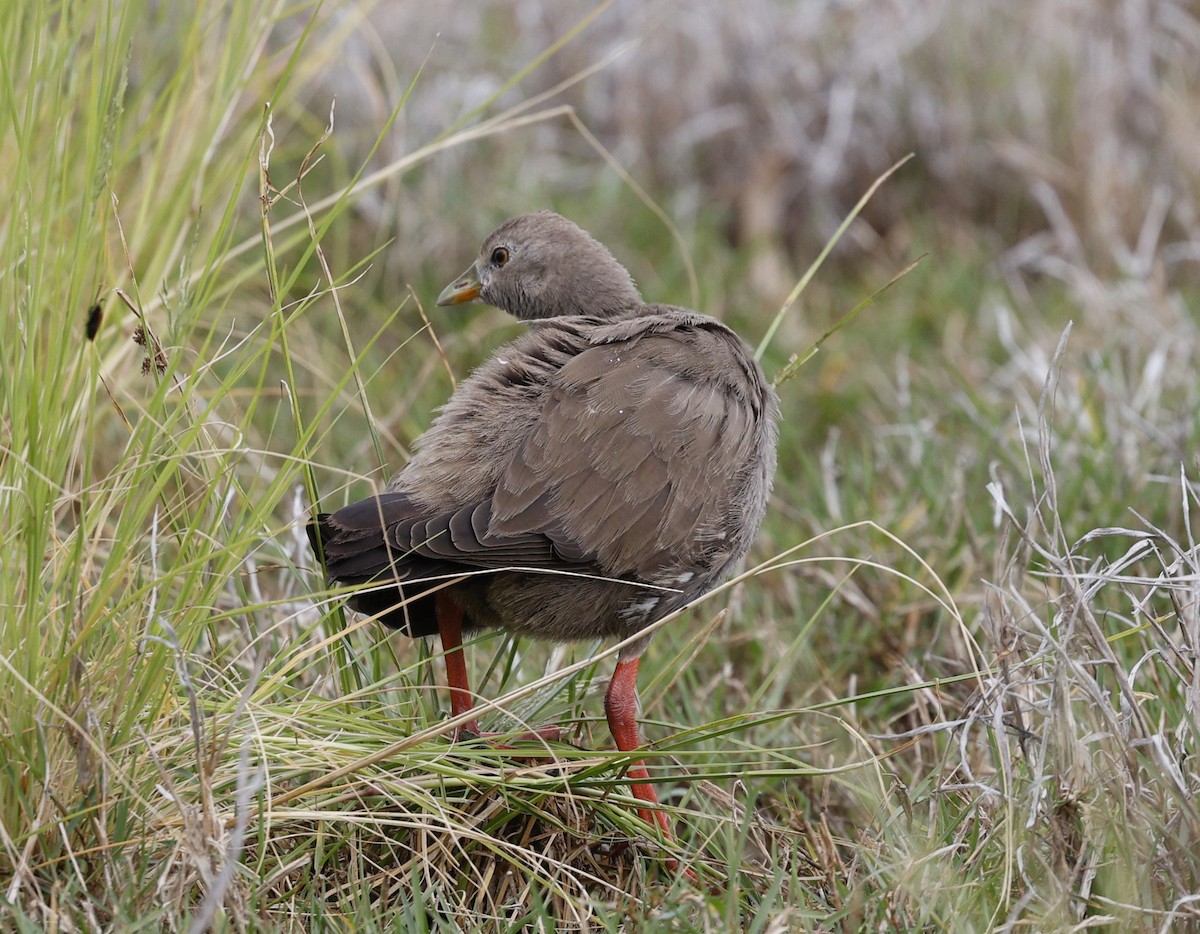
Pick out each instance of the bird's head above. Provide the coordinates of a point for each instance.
(542, 266)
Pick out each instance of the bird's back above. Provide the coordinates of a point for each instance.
(604, 468)
(640, 450)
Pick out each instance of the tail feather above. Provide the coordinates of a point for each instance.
(388, 539)
(354, 551)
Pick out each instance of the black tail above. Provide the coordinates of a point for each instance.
(353, 552)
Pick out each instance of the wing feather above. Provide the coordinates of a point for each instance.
(635, 450)
(636, 455)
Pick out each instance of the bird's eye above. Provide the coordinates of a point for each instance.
(499, 256)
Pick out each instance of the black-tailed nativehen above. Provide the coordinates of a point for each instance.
(602, 470)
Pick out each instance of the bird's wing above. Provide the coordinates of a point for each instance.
(631, 468)
(635, 457)
(389, 535)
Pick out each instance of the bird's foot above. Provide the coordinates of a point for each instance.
(674, 866)
(470, 730)
(657, 817)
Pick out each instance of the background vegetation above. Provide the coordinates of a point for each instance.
(957, 687)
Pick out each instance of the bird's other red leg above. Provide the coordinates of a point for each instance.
(450, 623)
(449, 620)
(621, 707)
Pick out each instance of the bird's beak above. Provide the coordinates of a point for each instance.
(463, 289)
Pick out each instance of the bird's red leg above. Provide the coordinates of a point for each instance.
(621, 708)
(450, 619)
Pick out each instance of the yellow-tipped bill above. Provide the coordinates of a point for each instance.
(463, 289)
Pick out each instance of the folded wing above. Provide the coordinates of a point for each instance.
(630, 471)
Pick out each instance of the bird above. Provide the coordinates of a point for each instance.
(605, 468)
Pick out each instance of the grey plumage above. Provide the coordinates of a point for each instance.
(628, 447)
(601, 470)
